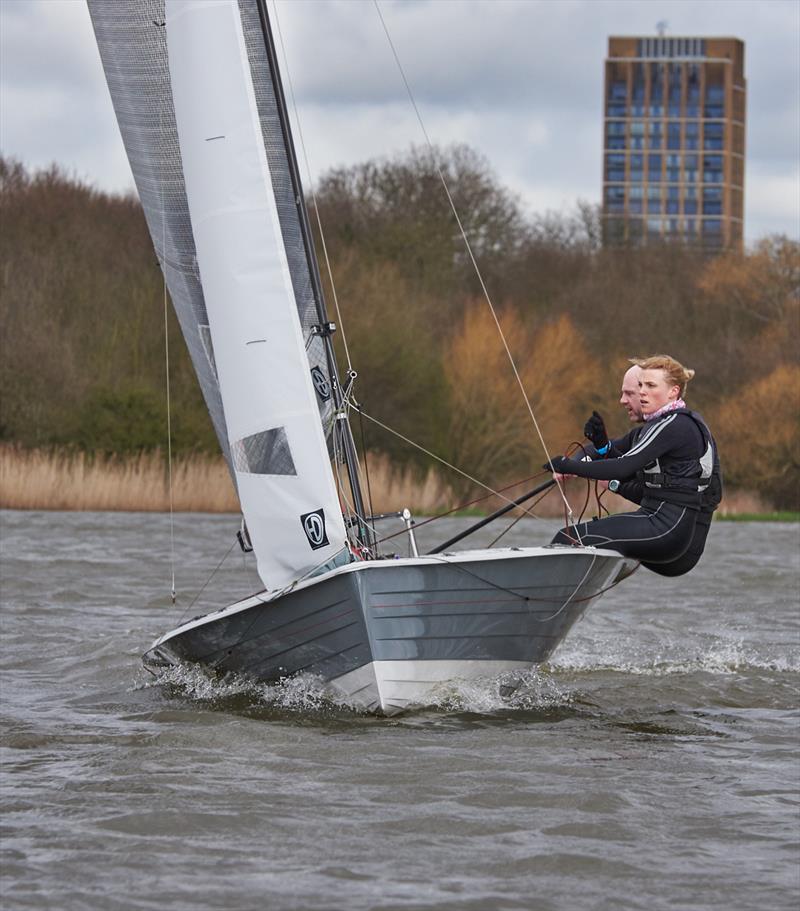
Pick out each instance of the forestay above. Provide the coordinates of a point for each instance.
(275, 435)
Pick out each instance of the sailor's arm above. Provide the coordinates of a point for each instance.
(650, 446)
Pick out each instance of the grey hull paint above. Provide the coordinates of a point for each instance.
(509, 606)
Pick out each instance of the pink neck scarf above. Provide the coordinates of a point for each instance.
(670, 406)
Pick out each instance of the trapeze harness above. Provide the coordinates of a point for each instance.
(671, 468)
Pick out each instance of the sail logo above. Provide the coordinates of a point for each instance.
(314, 527)
(321, 384)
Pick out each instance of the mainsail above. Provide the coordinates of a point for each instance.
(198, 113)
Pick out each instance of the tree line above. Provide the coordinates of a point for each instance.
(82, 321)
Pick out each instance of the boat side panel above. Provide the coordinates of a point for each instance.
(320, 629)
(511, 610)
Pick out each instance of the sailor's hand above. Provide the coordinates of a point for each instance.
(557, 465)
(595, 430)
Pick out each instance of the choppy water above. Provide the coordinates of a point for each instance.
(653, 764)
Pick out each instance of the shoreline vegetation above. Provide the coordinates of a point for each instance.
(64, 480)
(83, 364)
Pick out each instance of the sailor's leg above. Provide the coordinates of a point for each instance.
(651, 535)
(690, 559)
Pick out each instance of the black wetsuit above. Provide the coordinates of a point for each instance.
(669, 461)
(710, 498)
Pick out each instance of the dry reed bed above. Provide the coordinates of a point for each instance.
(57, 480)
(39, 479)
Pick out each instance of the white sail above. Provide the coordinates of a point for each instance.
(275, 434)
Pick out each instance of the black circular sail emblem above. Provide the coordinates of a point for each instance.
(314, 527)
(321, 383)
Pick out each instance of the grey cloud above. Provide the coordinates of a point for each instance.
(521, 81)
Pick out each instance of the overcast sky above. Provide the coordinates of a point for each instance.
(519, 80)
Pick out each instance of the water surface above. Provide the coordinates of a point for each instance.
(653, 763)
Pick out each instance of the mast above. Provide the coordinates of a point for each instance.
(325, 327)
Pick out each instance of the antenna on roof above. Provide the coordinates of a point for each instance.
(661, 27)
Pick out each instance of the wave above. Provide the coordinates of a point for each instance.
(719, 657)
(544, 689)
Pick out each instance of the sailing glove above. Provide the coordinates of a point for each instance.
(595, 430)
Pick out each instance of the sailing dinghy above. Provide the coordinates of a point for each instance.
(198, 97)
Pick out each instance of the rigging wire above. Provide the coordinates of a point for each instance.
(207, 582)
(433, 455)
(468, 246)
(169, 444)
(166, 374)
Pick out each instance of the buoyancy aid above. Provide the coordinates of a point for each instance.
(696, 481)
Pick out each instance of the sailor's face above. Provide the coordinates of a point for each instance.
(655, 391)
(629, 395)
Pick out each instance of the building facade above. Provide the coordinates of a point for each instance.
(674, 141)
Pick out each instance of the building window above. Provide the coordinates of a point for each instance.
(713, 136)
(673, 134)
(672, 207)
(712, 169)
(615, 168)
(615, 199)
(615, 142)
(712, 226)
(715, 101)
(637, 90)
(690, 207)
(615, 109)
(674, 107)
(635, 206)
(656, 84)
(618, 90)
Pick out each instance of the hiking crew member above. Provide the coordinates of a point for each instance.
(669, 465)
